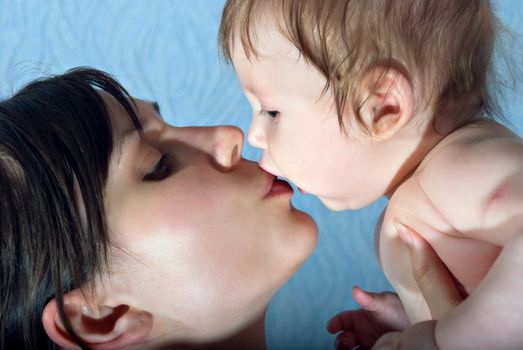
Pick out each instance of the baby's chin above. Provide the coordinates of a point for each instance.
(339, 204)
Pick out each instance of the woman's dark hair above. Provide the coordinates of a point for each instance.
(55, 146)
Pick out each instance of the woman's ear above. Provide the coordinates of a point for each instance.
(106, 328)
(389, 102)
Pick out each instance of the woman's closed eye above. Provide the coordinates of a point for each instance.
(161, 169)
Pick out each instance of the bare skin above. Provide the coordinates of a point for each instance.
(381, 313)
(461, 190)
(467, 241)
(176, 285)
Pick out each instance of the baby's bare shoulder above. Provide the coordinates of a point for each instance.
(462, 173)
(474, 147)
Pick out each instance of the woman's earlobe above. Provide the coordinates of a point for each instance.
(103, 328)
(389, 103)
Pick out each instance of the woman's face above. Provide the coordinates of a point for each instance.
(201, 236)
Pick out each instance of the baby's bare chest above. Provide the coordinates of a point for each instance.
(468, 260)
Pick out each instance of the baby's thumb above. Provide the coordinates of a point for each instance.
(367, 300)
(433, 278)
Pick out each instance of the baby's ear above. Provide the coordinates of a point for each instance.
(105, 328)
(388, 103)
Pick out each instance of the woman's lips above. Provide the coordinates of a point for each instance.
(279, 187)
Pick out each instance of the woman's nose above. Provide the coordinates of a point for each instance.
(227, 145)
(223, 143)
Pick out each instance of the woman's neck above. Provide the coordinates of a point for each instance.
(251, 337)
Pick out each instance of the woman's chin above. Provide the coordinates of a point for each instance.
(308, 231)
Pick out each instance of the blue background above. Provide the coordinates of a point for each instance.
(167, 50)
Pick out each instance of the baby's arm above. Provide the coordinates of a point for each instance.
(489, 319)
(492, 317)
(480, 192)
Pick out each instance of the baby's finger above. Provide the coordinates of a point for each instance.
(340, 322)
(432, 276)
(362, 297)
(375, 302)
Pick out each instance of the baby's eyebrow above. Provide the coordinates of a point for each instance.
(260, 89)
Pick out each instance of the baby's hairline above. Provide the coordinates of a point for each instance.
(341, 66)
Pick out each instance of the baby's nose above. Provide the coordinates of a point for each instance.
(256, 135)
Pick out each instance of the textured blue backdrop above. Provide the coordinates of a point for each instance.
(166, 50)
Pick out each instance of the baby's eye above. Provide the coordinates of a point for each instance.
(270, 114)
(161, 170)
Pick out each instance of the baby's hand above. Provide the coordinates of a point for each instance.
(380, 313)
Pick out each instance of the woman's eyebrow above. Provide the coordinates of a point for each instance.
(124, 134)
(120, 140)
(156, 107)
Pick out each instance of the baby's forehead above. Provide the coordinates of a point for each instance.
(267, 42)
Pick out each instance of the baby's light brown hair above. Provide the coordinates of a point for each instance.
(444, 47)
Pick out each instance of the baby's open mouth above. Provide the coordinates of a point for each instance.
(279, 187)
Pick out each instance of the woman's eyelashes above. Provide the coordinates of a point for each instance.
(270, 114)
(161, 170)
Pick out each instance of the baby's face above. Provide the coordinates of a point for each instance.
(297, 128)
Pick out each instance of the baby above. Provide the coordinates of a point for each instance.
(354, 100)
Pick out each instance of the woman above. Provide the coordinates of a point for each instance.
(121, 231)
